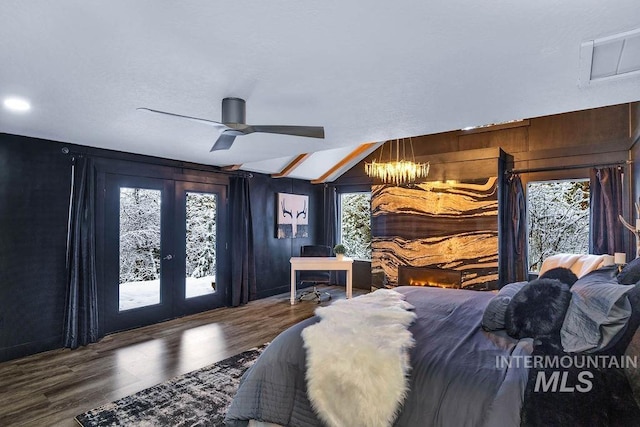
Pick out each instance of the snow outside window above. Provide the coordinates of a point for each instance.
(355, 224)
(558, 219)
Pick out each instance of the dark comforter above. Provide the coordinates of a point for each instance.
(461, 375)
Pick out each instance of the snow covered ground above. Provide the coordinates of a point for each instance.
(141, 294)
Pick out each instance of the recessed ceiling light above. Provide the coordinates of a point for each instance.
(17, 105)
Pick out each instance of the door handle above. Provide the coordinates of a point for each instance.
(168, 257)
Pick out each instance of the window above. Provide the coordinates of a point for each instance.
(139, 247)
(355, 224)
(558, 219)
(200, 244)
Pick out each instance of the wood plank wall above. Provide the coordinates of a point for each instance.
(563, 144)
(596, 136)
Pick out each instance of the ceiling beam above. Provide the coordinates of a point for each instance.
(362, 148)
(291, 166)
(231, 167)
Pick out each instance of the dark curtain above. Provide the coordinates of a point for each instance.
(81, 314)
(606, 231)
(243, 270)
(516, 251)
(330, 222)
(330, 219)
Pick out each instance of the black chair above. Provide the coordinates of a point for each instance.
(313, 276)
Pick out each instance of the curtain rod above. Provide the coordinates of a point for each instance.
(556, 168)
(212, 169)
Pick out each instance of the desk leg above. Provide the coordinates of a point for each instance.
(349, 282)
(293, 286)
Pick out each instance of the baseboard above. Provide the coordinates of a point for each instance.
(30, 348)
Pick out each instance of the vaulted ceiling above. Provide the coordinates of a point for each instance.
(366, 71)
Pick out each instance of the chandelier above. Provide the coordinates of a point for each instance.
(398, 171)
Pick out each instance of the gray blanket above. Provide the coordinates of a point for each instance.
(460, 375)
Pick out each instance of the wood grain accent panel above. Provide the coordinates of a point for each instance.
(634, 122)
(452, 225)
(561, 136)
(463, 171)
(445, 142)
(513, 140)
(588, 127)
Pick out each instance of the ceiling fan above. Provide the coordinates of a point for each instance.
(233, 124)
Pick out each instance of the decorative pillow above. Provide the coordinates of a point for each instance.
(598, 313)
(511, 289)
(493, 316)
(538, 309)
(564, 275)
(630, 274)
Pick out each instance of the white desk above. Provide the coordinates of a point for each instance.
(320, 263)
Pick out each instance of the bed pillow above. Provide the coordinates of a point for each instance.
(580, 264)
(598, 314)
(538, 309)
(629, 343)
(633, 372)
(511, 289)
(630, 274)
(493, 316)
(564, 275)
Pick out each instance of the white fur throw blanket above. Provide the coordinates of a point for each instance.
(357, 359)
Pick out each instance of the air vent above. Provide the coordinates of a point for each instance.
(610, 57)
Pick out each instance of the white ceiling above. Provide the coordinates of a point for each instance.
(366, 71)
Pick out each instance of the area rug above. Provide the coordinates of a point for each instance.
(198, 398)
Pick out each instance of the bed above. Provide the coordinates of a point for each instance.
(459, 373)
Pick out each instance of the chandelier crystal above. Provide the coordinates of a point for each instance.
(397, 171)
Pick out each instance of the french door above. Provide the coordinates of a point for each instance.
(164, 249)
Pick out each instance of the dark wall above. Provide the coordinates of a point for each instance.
(34, 198)
(34, 201)
(272, 254)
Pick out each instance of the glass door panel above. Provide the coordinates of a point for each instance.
(200, 243)
(140, 261)
(164, 249)
(201, 276)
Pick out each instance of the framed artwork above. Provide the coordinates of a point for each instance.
(293, 216)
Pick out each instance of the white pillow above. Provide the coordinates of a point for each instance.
(580, 264)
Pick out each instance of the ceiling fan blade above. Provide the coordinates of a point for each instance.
(205, 121)
(306, 131)
(224, 142)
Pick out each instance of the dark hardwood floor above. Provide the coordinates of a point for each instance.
(51, 388)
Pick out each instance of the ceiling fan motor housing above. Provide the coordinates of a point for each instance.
(234, 110)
